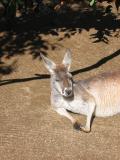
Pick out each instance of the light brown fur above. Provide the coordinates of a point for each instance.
(98, 95)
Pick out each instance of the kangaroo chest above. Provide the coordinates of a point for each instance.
(77, 105)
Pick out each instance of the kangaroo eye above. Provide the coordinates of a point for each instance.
(57, 80)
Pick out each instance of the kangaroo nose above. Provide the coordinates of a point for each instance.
(68, 91)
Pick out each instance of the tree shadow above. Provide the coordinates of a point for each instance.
(7, 68)
(103, 24)
(47, 76)
(21, 80)
(98, 64)
(23, 34)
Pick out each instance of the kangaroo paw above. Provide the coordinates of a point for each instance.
(76, 125)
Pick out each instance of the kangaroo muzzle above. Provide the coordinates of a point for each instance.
(67, 92)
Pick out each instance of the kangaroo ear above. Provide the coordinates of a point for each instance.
(50, 65)
(67, 59)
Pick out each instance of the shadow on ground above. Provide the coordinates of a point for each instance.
(47, 76)
(24, 33)
(98, 64)
(8, 68)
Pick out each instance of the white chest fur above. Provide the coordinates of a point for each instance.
(75, 105)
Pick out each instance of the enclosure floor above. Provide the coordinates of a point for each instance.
(30, 129)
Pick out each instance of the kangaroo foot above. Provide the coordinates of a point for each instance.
(85, 129)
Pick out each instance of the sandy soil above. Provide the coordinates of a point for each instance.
(29, 128)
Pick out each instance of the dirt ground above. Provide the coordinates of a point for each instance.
(29, 128)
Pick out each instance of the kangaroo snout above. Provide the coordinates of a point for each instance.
(67, 92)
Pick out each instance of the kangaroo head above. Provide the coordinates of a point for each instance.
(60, 74)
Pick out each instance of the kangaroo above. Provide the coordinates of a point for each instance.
(96, 96)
